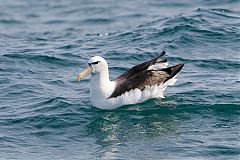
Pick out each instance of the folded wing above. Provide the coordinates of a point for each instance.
(144, 77)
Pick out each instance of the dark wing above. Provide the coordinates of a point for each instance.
(138, 68)
(146, 78)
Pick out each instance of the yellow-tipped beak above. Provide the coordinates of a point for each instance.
(84, 73)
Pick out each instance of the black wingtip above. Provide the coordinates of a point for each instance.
(176, 69)
(173, 71)
(162, 54)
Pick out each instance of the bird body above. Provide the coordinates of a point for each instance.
(138, 84)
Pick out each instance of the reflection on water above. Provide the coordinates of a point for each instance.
(132, 123)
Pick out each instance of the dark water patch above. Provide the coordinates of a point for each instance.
(137, 15)
(10, 21)
(68, 46)
(38, 39)
(54, 22)
(168, 4)
(32, 15)
(70, 11)
(97, 21)
(41, 59)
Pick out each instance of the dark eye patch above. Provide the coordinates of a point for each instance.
(96, 62)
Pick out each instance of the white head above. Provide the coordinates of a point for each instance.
(96, 65)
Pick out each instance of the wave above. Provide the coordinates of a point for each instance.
(54, 113)
(47, 59)
(199, 27)
(10, 22)
(97, 21)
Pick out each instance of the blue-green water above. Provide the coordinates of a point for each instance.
(46, 114)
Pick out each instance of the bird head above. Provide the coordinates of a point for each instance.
(96, 65)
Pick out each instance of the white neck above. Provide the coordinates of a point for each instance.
(100, 84)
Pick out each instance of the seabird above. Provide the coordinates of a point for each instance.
(138, 84)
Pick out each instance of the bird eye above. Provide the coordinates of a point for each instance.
(95, 62)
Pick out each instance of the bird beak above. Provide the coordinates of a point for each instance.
(84, 73)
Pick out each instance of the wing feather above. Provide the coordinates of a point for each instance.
(138, 68)
(146, 78)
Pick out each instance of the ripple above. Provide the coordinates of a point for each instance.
(10, 21)
(55, 22)
(41, 58)
(45, 112)
(97, 21)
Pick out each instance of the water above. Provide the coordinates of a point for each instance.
(46, 114)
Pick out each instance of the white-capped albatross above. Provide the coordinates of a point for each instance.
(138, 84)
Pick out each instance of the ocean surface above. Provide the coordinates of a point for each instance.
(45, 114)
